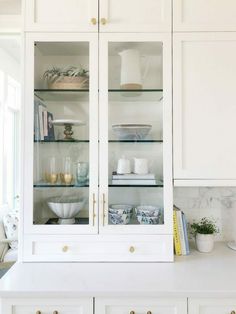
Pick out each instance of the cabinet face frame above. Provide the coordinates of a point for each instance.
(182, 25)
(28, 127)
(142, 305)
(211, 306)
(104, 40)
(188, 176)
(31, 24)
(85, 305)
(150, 26)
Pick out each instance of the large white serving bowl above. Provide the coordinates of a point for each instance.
(65, 208)
(131, 131)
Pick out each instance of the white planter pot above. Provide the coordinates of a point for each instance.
(204, 242)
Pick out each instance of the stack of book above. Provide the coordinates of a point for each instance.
(133, 179)
(181, 242)
(43, 127)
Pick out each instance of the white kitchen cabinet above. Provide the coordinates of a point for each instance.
(47, 306)
(82, 15)
(140, 306)
(204, 108)
(204, 15)
(61, 16)
(212, 306)
(135, 16)
(94, 233)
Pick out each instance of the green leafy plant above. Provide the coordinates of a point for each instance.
(56, 73)
(204, 226)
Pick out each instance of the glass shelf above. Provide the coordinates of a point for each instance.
(142, 95)
(159, 184)
(62, 94)
(135, 141)
(63, 141)
(48, 185)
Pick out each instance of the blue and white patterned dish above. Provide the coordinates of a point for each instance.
(120, 209)
(148, 220)
(148, 211)
(119, 219)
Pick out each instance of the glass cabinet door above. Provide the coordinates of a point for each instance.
(135, 133)
(61, 133)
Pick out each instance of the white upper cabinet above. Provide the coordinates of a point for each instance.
(61, 15)
(204, 108)
(135, 16)
(204, 15)
(82, 15)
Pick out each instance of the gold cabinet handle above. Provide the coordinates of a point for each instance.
(103, 207)
(93, 20)
(132, 312)
(94, 203)
(103, 21)
(65, 248)
(132, 249)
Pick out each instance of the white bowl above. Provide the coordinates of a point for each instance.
(131, 131)
(65, 208)
(119, 219)
(144, 220)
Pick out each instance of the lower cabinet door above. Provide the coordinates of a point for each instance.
(212, 306)
(47, 306)
(140, 306)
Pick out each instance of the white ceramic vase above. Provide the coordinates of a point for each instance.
(204, 242)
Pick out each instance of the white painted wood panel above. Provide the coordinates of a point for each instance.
(135, 16)
(204, 15)
(140, 306)
(212, 306)
(204, 106)
(48, 306)
(61, 15)
(112, 248)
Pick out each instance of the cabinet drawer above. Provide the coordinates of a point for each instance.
(47, 306)
(212, 306)
(140, 306)
(98, 248)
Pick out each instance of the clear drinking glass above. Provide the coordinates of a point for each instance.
(81, 172)
(67, 174)
(51, 173)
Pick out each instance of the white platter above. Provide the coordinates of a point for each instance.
(68, 122)
(131, 131)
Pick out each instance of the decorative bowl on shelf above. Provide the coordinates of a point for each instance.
(143, 220)
(148, 211)
(119, 219)
(131, 131)
(120, 209)
(68, 123)
(66, 208)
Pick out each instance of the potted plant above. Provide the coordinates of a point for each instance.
(204, 232)
(67, 78)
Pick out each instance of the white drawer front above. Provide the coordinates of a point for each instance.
(212, 306)
(104, 248)
(141, 306)
(48, 306)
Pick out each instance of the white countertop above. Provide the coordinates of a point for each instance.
(211, 274)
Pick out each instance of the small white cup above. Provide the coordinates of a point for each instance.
(140, 166)
(123, 166)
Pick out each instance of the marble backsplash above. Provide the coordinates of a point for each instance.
(217, 203)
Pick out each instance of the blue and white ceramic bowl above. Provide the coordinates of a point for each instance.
(120, 209)
(148, 211)
(119, 219)
(148, 220)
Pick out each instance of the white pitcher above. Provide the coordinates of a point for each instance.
(141, 166)
(131, 76)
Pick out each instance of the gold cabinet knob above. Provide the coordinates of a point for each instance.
(55, 312)
(233, 312)
(93, 20)
(132, 312)
(103, 21)
(131, 249)
(149, 312)
(38, 312)
(65, 248)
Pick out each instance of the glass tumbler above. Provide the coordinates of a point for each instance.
(81, 172)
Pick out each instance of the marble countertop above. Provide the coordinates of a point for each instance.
(196, 275)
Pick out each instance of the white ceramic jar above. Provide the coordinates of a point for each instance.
(204, 242)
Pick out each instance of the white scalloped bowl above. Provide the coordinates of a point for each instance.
(131, 131)
(65, 208)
